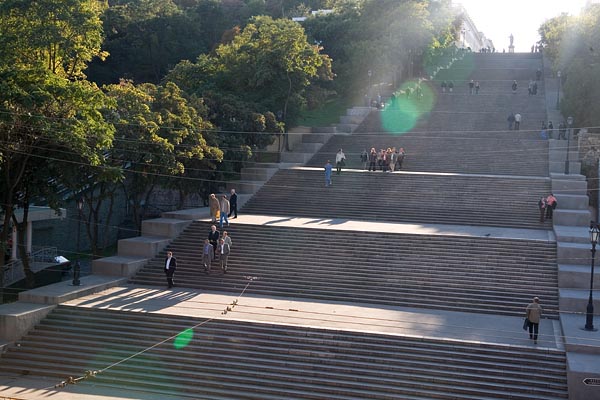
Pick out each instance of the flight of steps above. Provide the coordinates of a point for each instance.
(503, 154)
(223, 359)
(407, 198)
(431, 271)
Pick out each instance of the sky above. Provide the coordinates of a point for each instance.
(497, 19)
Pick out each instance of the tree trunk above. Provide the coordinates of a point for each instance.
(22, 246)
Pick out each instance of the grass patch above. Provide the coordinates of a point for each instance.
(329, 113)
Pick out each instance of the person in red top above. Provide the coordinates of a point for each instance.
(551, 204)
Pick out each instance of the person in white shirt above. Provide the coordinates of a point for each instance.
(340, 161)
(170, 266)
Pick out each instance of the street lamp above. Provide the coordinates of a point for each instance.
(589, 314)
(558, 93)
(77, 268)
(569, 124)
(370, 73)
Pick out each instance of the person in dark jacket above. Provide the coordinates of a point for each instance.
(233, 204)
(170, 267)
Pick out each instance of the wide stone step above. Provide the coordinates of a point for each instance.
(460, 200)
(377, 267)
(266, 361)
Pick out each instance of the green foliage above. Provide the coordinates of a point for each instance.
(386, 37)
(61, 35)
(161, 141)
(147, 38)
(571, 43)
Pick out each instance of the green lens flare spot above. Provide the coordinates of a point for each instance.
(413, 101)
(183, 339)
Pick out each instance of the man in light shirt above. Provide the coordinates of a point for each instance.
(223, 252)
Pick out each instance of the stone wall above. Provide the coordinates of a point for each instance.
(589, 153)
(62, 233)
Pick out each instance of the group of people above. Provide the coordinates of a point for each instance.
(514, 121)
(386, 160)
(474, 87)
(547, 205)
(447, 85)
(216, 247)
(221, 209)
(548, 130)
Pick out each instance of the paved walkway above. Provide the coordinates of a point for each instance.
(480, 328)
(415, 229)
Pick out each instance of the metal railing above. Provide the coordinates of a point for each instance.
(13, 270)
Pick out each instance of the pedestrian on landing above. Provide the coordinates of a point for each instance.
(380, 159)
(550, 129)
(213, 204)
(538, 74)
(213, 237)
(551, 204)
(340, 160)
(328, 169)
(511, 121)
(562, 130)
(530, 87)
(393, 159)
(223, 252)
(225, 208)
(517, 121)
(387, 159)
(208, 255)
(477, 87)
(534, 314)
(401, 154)
(544, 132)
(450, 86)
(542, 206)
(535, 88)
(373, 159)
(514, 86)
(471, 86)
(444, 86)
(233, 204)
(170, 267)
(364, 158)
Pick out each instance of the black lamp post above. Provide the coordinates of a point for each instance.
(558, 94)
(77, 268)
(589, 313)
(370, 73)
(569, 124)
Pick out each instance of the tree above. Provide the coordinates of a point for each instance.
(571, 44)
(159, 135)
(46, 106)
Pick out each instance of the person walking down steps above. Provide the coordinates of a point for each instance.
(170, 267)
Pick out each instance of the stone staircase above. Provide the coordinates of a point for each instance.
(228, 359)
(224, 359)
(428, 271)
(511, 155)
(405, 198)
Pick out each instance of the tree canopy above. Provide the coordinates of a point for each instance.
(571, 43)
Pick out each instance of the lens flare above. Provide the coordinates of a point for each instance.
(183, 339)
(414, 100)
